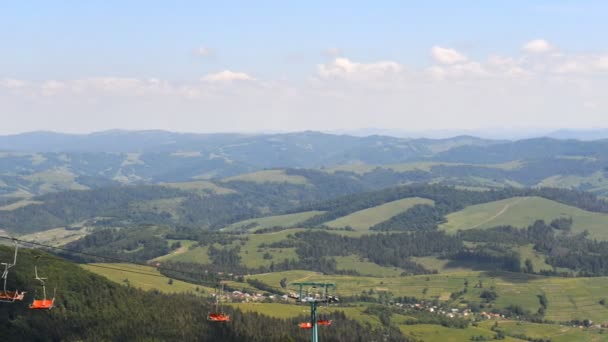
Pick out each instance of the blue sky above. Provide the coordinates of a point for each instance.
(51, 46)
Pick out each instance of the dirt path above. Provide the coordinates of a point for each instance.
(501, 212)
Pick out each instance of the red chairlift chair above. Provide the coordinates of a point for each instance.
(7, 296)
(44, 303)
(218, 315)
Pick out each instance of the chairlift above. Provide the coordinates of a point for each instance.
(5, 295)
(218, 315)
(324, 322)
(44, 303)
(325, 298)
(305, 325)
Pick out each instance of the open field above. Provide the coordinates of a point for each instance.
(57, 179)
(522, 212)
(438, 333)
(169, 205)
(188, 254)
(440, 265)
(594, 182)
(149, 279)
(57, 236)
(361, 168)
(538, 260)
(200, 186)
(186, 246)
(288, 220)
(364, 267)
(19, 204)
(363, 219)
(557, 333)
(253, 256)
(291, 310)
(268, 176)
(568, 298)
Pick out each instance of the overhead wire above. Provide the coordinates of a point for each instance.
(380, 283)
(124, 268)
(24, 242)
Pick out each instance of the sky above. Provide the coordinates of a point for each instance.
(266, 66)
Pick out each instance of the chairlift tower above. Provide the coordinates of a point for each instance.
(325, 298)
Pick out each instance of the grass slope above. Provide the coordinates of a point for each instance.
(362, 168)
(364, 267)
(554, 332)
(57, 236)
(200, 186)
(288, 220)
(438, 333)
(268, 176)
(151, 280)
(188, 254)
(363, 219)
(523, 211)
(569, 298)
(278, 310)
(253, 256)
(19, 204)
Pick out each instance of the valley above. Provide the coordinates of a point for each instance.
(434, 249)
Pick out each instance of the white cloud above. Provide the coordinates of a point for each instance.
(462, 70)
(538, 46)
(447, 56)
(530, 90)
(343, 68)
(204, 52)
(11, 83)
(227, 76)
(587, 64)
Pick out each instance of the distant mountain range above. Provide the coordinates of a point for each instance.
(41, 162)
(491, 133)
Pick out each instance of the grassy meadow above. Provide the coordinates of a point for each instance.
(522, 212)
(362, 220)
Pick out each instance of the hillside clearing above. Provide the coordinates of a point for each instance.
(149, 278)
(286, 221)
(268, 176)
(364, 219)
(523, 211)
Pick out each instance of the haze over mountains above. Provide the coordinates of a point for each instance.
(134, 141)
(40, 162)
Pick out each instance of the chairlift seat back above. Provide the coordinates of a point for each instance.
(11, 295)
(42, 304)
(218, 317)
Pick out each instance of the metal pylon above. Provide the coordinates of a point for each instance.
(313, 301)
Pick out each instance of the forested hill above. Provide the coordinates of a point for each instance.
(208, 205)
(446, 200)
(90, 307)
(200, 204)
(37, 163)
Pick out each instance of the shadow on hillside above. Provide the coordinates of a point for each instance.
(491, 270)
(510, 277)
(473, 265)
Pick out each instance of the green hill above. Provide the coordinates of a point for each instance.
(144, 277)
(364, 219)
(285, 221)
(89, 307)
(522, 212)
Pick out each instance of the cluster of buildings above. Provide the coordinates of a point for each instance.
(239, 296)
(450, 312)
